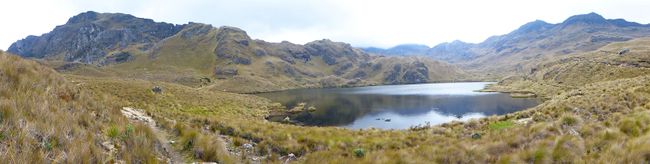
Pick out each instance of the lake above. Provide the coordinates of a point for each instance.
(398, 106)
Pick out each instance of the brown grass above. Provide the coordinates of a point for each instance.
(44, 118)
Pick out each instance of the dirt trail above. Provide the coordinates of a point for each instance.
(139, 116)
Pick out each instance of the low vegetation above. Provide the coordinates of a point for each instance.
(597, 109)
(569, 121)
(44, 118)
(599, 121)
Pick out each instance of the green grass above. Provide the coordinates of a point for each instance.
(501, 125)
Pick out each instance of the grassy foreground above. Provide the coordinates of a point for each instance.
(567, 128)
(50, 117)
(45, 118)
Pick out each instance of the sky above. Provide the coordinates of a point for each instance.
(362, 23)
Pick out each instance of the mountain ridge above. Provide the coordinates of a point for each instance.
(220, 58)
(578, 33)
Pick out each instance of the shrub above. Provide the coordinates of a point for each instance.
(113, 132)
(569, 120)
(359, 152)
(629, 127)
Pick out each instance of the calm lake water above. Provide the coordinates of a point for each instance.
(404, 105)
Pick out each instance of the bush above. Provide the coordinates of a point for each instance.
(569, 120)
(359, 152)
(629, 127)
(113, 132)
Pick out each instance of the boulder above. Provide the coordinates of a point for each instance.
(476, 136)
(157, 89)
(624, 51)
(220, 72)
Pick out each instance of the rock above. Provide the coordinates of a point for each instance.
(247, 146)
(195, 29)
(241, 60)
(220, 72)
(138, 115)
(90, 36)
(68, 66)
(387, 120)
(156, 89)
(291, 156)
(392, 76)
(624, 51)
(311, 109)
(524, 121)
(343, 68)
(117, 58)
(360, 74)
(260, 52)
(108, 146)
(476, 136)
(243, 42)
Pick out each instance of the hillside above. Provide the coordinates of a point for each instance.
(524, 48)
(536, 41)
(224, 58)
(612, 130)
(611, 62)
(597, 106)
(46, 118)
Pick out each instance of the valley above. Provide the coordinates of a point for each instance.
(115, 88)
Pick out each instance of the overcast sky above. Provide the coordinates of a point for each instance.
(362, 23)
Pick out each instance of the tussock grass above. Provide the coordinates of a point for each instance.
(44, 118)
(588, 121)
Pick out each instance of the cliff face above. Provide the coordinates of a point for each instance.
(91, 37)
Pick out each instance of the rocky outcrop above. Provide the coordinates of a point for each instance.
(232, 44)
(90, 36)
(407, 73)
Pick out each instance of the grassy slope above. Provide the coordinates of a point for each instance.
(555, 76)
(43, 117)
(613, 130)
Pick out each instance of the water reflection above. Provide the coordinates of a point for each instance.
(404, 105)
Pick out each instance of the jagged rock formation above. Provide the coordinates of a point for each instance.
(92, 37)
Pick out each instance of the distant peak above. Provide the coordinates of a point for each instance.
(84, 17)
(458, 42)
(591, 18)
(322, 41)
(411, 45)
(231, 29)
(533, 26)
(90, 16)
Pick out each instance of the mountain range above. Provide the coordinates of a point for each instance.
(523, 48)
(223, 58)
(115, 88)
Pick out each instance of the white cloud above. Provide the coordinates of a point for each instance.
(380, 23)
